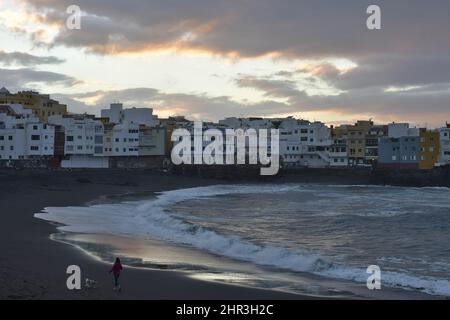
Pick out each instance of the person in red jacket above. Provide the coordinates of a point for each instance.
(116, 269)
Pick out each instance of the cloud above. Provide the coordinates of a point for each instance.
(430, 103)
(385, 71)
(249, 28)
(380, 106)
(18, 79)
(195, 106)
(402, 72)
(26, 59)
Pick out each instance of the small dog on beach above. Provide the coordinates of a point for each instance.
(90, 284)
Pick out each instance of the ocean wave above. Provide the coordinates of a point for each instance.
(151, 218)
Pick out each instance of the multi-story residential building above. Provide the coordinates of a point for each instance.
(445, 145)
(399, 152)
(372, 141)
(117, 114)
(397, 130)
(108, 129)
(417, 149)
(356, 142)
(338, 150)
(429, 151)
(83, 134)
(152, 141)
(41, 104)
(83, 145)
(125, 139)
(170, 124)
(302, 143)
(22, 136)
(132, 132)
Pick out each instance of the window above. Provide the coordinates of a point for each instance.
(10, 138)
(2, 138)
(79, 147)
(35, 127)
(35, 137)
(11, 148)
(98, 139)
(34, 148)
(69, 138)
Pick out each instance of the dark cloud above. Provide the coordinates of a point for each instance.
(18, 79)
(387, 71)
(319, 28)
(411, 50)
(26, 59)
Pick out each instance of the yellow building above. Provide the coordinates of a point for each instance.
(356, 141)
(170, 124)
(41, 104)
(429, 148)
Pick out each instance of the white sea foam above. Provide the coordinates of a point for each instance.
(151, 219)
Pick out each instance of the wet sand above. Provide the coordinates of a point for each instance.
(32, 266)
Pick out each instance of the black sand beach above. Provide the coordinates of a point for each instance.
(34, 267)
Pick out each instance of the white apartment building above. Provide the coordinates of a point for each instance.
(83, 135)
(445, 145)
(83, 146)
(117, 114)
(304, 143)
(23, 136)
(125, 139)
(338, 149)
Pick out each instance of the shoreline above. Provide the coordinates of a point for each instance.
(34, 267)
(84, 188)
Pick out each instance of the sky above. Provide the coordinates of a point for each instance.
(210, 59)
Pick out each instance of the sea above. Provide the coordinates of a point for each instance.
(311, 239)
